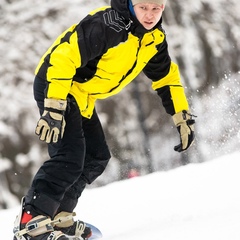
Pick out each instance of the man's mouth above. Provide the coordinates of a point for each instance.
(149, 23)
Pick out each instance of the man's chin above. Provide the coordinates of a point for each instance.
(148, 27)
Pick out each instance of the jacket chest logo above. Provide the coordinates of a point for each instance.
(114, 21)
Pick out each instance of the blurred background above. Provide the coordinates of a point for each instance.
(203, 39)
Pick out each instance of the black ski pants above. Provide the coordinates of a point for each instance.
(75, 160)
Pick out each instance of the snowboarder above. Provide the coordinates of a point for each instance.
(92, 60)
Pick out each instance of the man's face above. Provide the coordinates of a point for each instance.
(148, 14)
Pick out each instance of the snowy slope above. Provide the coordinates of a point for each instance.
(195, 202)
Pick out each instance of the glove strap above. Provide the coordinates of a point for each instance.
(187, 115)
(183, 116)
(54, 110)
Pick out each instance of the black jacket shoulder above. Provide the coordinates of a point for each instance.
(99, 32)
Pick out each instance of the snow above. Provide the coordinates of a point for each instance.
(193, 202)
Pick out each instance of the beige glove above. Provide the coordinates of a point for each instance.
(184, 123)
(51, 125)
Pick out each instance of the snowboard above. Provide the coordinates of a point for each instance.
(96, 233)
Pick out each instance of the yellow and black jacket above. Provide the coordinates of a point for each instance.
(99, 56)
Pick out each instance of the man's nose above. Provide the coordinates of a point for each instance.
(149, 14)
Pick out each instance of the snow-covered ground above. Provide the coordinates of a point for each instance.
(194, 202)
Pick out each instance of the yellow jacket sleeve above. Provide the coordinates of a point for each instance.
(171, 91)
(63, 60)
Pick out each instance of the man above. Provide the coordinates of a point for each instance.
(92, 60)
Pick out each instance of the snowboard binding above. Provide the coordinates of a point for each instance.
(62, 227)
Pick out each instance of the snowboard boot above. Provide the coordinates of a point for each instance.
(29, 225)
(73, 228)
